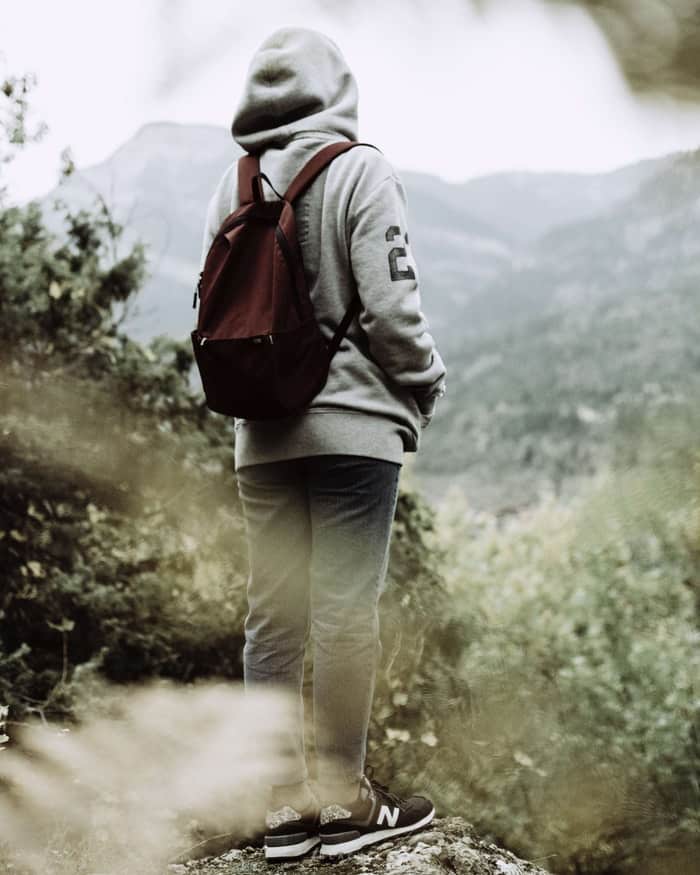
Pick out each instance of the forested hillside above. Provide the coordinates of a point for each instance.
(593, 327)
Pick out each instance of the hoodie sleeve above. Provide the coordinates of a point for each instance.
(387, 281)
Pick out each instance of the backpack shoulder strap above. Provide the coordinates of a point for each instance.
(303, 179)
(316, 164)
(249, 182)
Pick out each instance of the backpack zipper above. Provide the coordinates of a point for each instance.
(197, 290)
(258, 339)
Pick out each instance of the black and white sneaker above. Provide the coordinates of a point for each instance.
(376, 815)
(290, 833)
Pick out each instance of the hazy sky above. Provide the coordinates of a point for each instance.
(450, 92)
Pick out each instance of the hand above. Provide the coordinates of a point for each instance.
(426, 399)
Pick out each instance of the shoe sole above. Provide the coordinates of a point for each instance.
(289, 852)
(369, 838)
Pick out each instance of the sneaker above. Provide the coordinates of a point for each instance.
(376, 815)
(290, 833)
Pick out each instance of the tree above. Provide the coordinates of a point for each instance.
(111, 490)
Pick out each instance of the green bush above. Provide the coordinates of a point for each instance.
(583, 744)
(120, 540)
(121, 544)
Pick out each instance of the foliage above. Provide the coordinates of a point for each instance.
(121, 545)
(583, 746)
(418, 688)
(14, 121)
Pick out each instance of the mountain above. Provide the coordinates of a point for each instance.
(464, 237)
(590, 329)
(563, 304)
(525, 206)
(648, 239)
(158, 185)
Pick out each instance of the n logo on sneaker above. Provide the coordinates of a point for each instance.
(388, 815)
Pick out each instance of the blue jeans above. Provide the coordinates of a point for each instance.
(318, 530)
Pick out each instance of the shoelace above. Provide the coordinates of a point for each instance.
(384, 790)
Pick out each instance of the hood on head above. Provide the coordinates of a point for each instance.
(298, 80)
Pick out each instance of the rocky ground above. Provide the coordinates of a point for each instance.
(448, 845)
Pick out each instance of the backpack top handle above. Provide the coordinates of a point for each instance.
(249, 182)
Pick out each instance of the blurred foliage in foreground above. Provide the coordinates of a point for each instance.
(539, 677)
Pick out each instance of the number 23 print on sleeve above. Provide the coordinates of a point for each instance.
(394, 232)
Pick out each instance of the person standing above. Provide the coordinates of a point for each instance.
(319, 489)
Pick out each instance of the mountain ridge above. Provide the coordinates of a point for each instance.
(549, 295)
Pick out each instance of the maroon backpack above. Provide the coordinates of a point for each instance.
(258, 347)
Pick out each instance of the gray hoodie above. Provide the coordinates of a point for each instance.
(352, 225)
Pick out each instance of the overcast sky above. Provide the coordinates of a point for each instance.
(450, 92)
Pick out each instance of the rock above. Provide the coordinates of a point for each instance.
(450, 844)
